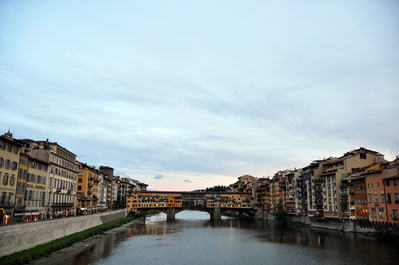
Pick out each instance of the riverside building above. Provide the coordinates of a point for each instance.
(87, 194)
(62, 176)
(10, 150)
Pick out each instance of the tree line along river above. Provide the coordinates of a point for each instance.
(195, 239)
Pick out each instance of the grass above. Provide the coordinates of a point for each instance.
(45, 250)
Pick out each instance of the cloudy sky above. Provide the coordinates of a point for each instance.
(185, 95)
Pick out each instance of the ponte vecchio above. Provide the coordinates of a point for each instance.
(171, 203)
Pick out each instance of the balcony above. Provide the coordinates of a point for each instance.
(20, 208)
(62, 205)
(6, 204)
(90, 185)
(84, 199)
(91, 178)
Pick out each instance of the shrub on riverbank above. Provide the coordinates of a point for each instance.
(30, 255)
(386, 236)
(280, 214)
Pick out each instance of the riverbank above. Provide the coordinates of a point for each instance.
(44, 250)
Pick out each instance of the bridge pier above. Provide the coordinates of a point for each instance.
(216, 214)
(171, 213)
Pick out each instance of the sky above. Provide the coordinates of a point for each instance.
(185, 95)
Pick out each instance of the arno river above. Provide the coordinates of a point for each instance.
(194, 239)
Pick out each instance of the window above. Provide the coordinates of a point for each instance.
(396, 197)
(382, 196)
(1, 162)
(389, 198)
(8, 164)
(79, 187)
(382, 214)
(12, 180)
(80, 180)
(395, 213)
(373, 215)
(395, 182)
(5, 179)
(387, 183)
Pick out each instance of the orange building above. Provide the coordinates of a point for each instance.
(391, 185)
(131, 201)
(375, 194)
(87, 189)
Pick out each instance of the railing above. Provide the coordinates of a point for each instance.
(84, 198)
(20, 208)
(62, 204)
(6, 204)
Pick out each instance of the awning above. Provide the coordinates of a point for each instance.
(353, 208)
(18, 214)
(27, 214)
(36, 213)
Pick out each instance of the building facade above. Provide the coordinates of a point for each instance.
(10, 150)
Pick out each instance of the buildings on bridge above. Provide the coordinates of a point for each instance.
(172, 202)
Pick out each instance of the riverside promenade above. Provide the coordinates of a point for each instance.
(22, 236)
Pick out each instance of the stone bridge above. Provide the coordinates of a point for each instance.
(216, 204)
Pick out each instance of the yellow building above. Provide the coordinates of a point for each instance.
(131, 201)
(87, 189)
(20, 205)
(10, 149)
(35, 196)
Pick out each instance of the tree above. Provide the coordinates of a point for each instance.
(280, 215)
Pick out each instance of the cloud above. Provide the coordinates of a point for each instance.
(158, 176)
(189, 181)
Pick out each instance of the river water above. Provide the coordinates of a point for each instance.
(194, 239)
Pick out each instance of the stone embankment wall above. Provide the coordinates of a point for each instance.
(18, 237)
(356, 226)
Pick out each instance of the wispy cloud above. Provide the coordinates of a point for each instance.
(188, 181)
(158, 176)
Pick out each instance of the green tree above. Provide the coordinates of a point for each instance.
(280, 215)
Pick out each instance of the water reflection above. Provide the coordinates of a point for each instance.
(195, 239)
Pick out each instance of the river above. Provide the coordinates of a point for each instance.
(194, 239)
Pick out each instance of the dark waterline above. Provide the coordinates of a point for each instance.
(194, 239)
